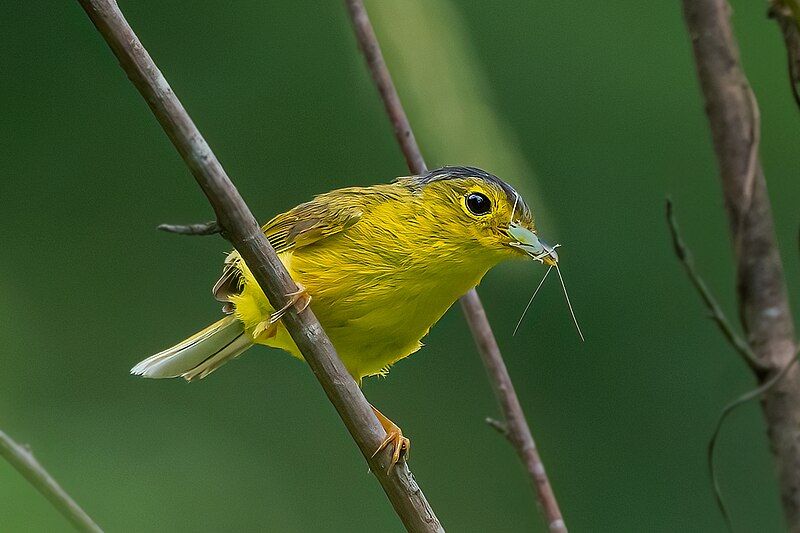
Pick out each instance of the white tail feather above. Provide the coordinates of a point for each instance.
(200, 354)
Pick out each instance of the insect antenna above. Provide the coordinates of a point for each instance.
(569, 304)
(514, 209)
(531, 300)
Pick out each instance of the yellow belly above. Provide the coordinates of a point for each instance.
(373, 317)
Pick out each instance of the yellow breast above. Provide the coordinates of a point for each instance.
(375, 290)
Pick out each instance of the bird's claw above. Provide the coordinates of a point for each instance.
(298, 299)
(401, 447)
(394, 436)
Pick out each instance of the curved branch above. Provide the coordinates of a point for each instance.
(761, 288)
(517, 430)
(241, 228)
(22, 459)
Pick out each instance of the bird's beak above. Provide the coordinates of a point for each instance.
(527, 241)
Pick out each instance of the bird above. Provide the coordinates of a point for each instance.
(379, 265)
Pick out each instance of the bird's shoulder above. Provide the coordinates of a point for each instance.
(326, 215)
(331, 213)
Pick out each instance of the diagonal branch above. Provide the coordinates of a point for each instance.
(241, 228)
(761, 288)
(686, 259)
(22, 459)
(517, 430)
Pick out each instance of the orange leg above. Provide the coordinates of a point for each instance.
(394, 436)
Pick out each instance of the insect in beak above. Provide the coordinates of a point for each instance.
(531, 244)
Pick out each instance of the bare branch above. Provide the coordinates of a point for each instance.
(244, 233)
(787, 14)
(728, 409)
(761, 288)
(519, 433)
(498, 426)
(203, 228)
(22, 459)
(685, 256)
(686, 259)
(368, 43)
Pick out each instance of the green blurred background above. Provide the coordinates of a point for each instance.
(592, 110)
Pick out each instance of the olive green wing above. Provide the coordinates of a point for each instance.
(326, 215)
(311, 222)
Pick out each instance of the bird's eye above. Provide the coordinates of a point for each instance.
(478, 203)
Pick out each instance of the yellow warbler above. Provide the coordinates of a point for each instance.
(380, 265)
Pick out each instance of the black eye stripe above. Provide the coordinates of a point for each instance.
(478, 203)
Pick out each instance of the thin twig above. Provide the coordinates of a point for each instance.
(519, 433)
(244, 233)
(203, 228)
(787, 14)
(717, 315)
(728, 409)
(22, 459)
(761, 288)
(368, 43)
(687, 260)
(497, 425)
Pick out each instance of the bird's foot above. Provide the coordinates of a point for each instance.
(401, 446)
(298, 299)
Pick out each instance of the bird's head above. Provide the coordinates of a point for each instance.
(482, 212)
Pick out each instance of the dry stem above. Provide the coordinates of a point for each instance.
(517, 430)
(761, 289)
(241, 228)
(787, 14)
(22, 459)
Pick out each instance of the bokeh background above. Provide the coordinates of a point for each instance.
(592, 110)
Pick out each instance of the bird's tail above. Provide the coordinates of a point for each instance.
(200, 354)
